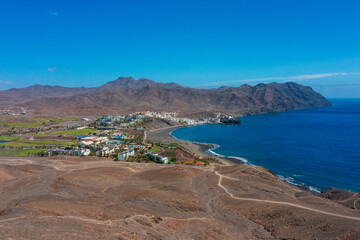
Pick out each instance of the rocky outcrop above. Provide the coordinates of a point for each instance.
(230, 121)
(344, 197)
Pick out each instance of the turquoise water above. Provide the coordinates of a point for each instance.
(319, 148)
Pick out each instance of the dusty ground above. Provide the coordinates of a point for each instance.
(90, 198)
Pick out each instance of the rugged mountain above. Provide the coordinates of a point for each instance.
(38, 91)
(127, 95)
(129, 82)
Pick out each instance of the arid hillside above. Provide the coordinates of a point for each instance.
(89, 198)
(126, 95)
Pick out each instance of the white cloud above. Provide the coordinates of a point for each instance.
(52, 69)
(322, 75)
(52, 13)
(281, 79)
(5, 82)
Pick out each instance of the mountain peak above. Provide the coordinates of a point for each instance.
(125, 83)
(132, 83)
(127, 94)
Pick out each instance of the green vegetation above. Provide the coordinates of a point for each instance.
(139, 138)
(75, 132)
(10, 125)
(115, 157)
(155, 149)
(166, 145)
(11, 122)
(38, 135)
(21, 142)
(8, 152)
(54, 120)
(171, 155)
(20, 152)
(27, 152)
(8, 138)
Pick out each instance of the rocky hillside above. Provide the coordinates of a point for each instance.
(82, 198)
(19, 95)
(127, 94)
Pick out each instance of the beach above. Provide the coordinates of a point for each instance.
(198, 149)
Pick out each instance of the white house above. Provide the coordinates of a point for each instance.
(159, 159)
(84, 152)
(125, 155)
(163, 159)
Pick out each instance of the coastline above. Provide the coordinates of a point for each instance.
(198, 149)
(205, 150)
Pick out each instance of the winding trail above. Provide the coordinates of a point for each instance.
(279, 202)
(355, 204)
(99, 222)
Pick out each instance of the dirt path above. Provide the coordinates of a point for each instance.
(99, 222)
(279, 202)
(355, 203)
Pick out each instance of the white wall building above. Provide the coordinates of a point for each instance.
(125, 155)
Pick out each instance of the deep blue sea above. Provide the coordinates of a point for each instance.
(319, 148)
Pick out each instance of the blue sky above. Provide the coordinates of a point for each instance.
(194, 43)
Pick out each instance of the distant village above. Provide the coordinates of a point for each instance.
(12, 112)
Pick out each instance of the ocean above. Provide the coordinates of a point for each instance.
(319, 148)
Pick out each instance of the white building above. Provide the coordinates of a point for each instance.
(164, 159)
(84, 152)
(125, 155)
(156, 157)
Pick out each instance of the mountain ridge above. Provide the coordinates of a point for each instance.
(126, 94)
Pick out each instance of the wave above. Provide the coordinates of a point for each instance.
(244, 160)
(314, 189)
(215, 146)
(292, 181)
(170, 133)
(289, 180)
(211, 150)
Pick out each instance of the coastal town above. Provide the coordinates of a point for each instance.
(179, 120)
(120, 170)
(118, 137)
(126, 170)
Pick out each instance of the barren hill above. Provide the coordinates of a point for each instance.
(127, 95)
(87, 198)
(38, 91)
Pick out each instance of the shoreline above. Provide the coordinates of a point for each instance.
(205, 150)
(198, 149)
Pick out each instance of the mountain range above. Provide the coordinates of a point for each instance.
(126, 95)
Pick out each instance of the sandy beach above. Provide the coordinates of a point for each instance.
(163, 135)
